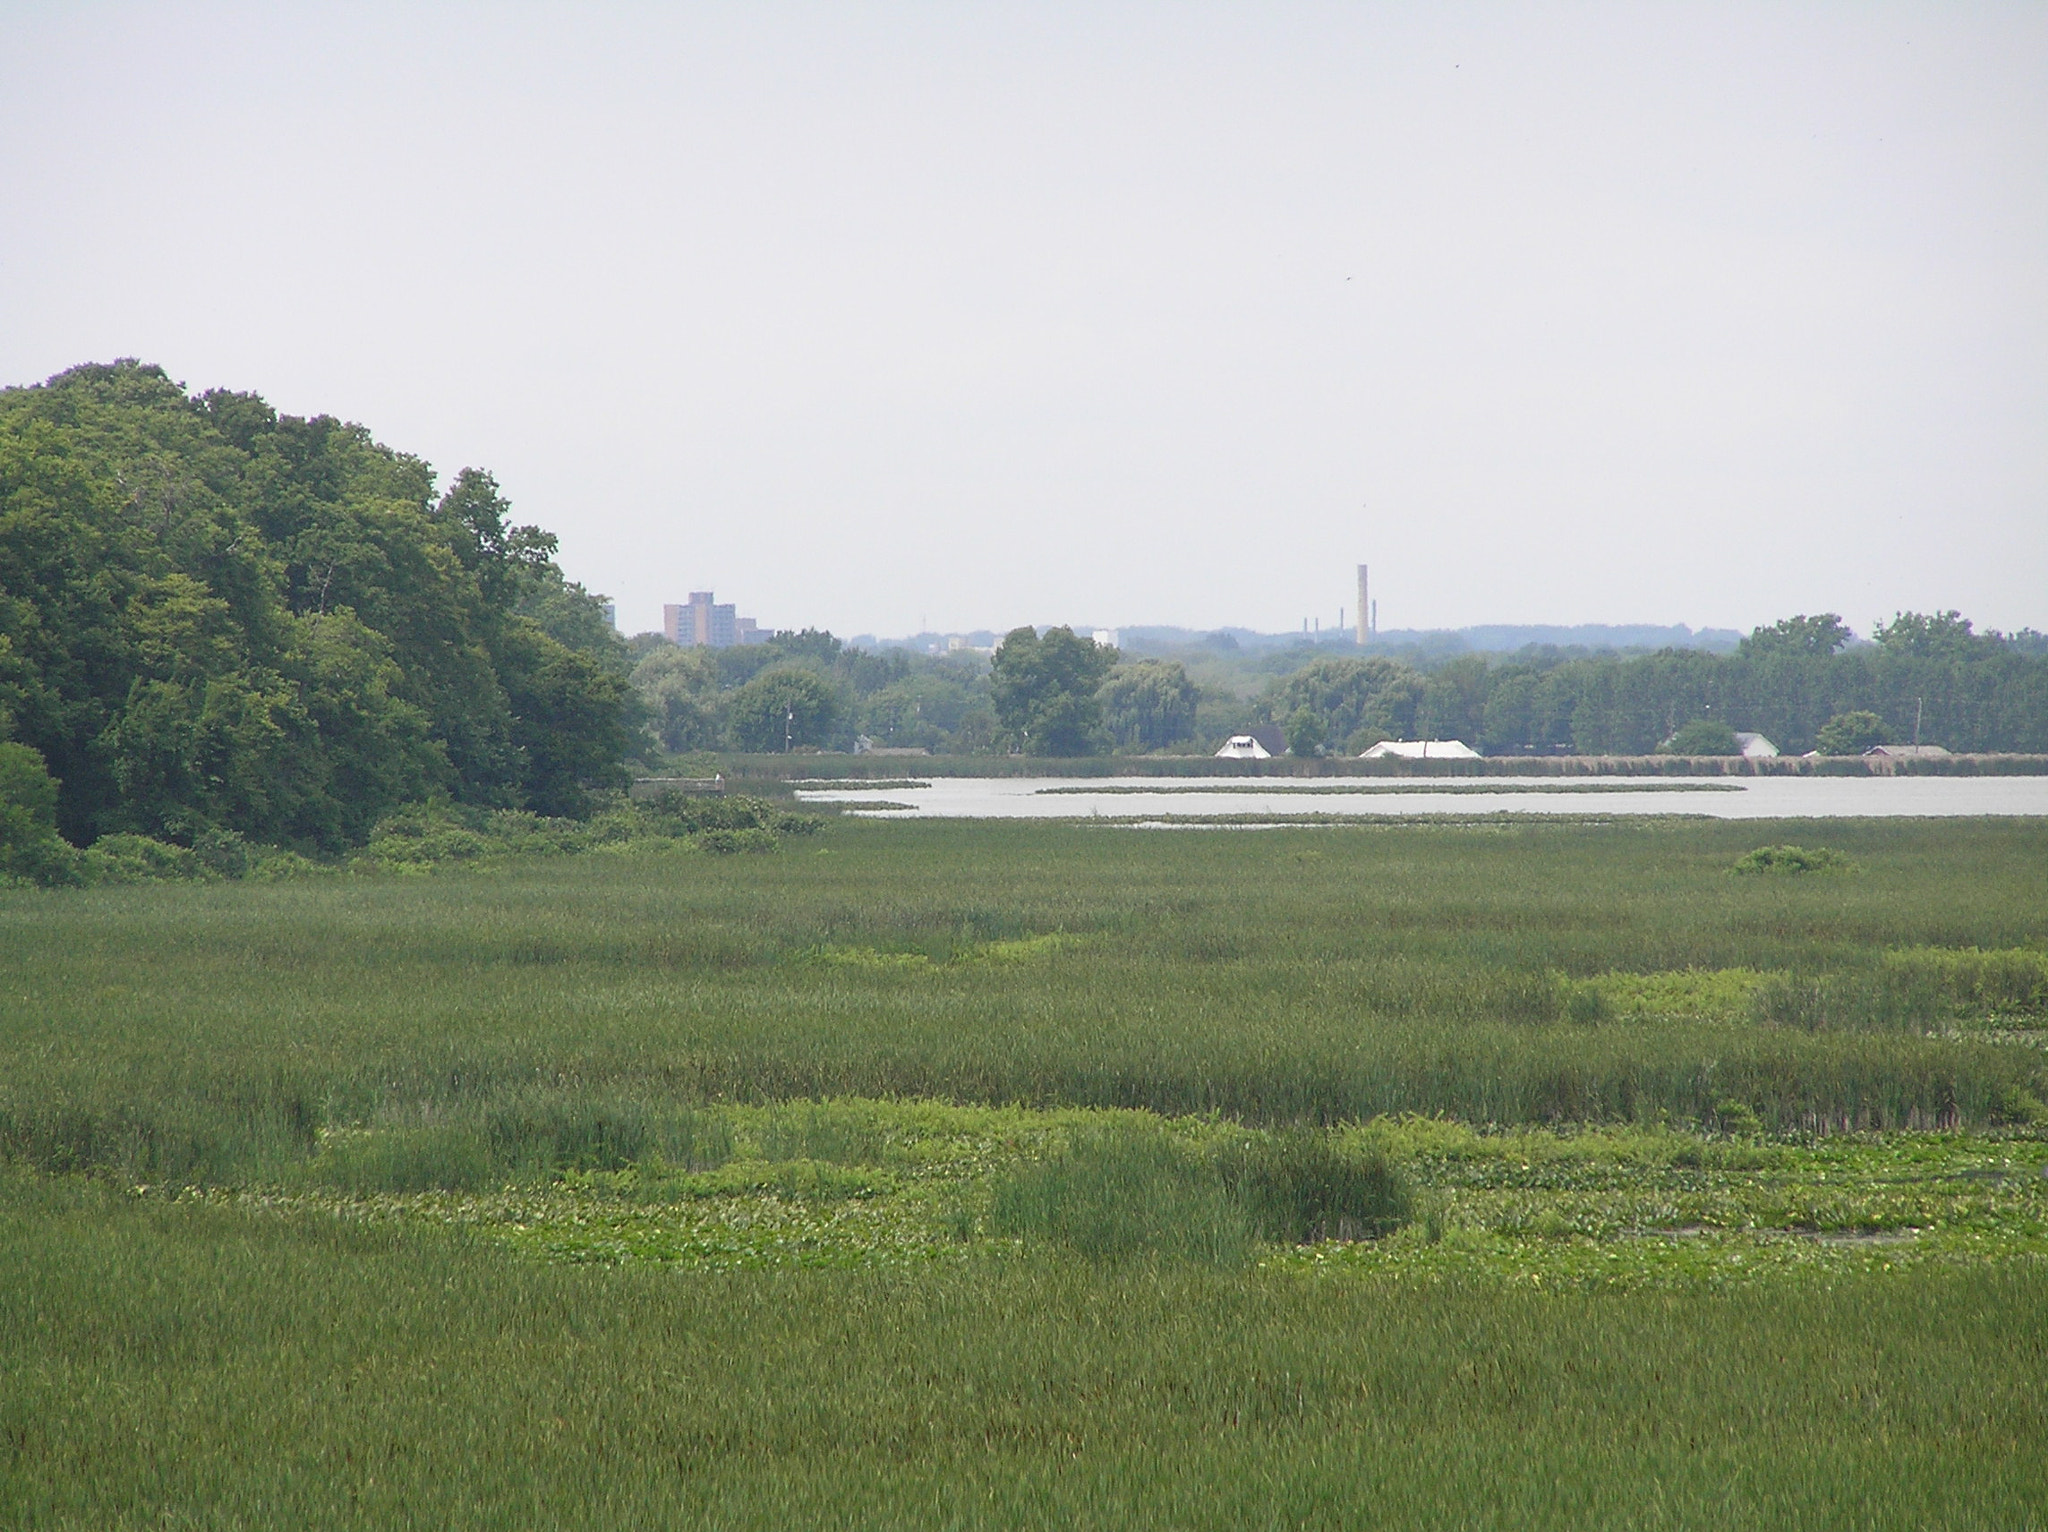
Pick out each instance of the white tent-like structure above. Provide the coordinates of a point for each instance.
(1243, 747)
(1421, 750)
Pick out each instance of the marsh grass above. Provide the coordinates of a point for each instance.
(568, 1012)
(1126, 1193)
(190, 1364)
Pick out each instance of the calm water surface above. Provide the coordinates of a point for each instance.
(1720, 797)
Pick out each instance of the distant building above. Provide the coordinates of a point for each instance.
(1421, 750)
(712, 624)
(611, 614)
(1907, 752)
(1106, 637)
(1754, 746)
(1260, 744)
(862, 745)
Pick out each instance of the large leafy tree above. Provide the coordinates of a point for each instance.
(1150, 705)
(784, 706)
(213, 615)
(1812, 637)
(1044, 690)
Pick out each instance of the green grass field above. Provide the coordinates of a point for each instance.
(898, 1177)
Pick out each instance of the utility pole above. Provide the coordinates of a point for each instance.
(788, 731)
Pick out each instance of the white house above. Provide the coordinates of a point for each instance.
(1754, 746)
(1421, 750)
(1253, 745)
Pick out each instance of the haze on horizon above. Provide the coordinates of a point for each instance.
(873, 317)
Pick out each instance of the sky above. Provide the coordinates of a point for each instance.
(887, 318)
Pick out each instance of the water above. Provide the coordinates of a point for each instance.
(1157, 799)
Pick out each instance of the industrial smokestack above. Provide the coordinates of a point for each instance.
(1364, 603)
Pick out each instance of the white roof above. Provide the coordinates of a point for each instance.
(1422, 750)
(1755, 746)
(1242, 747)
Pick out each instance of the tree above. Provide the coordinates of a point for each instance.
(1453, 702)
(213, 616)
(1811, 636)
(788, 705)
(29, 844)
(1945, 636)
(1703, 736)
(1150, 705)
(1044, 689)
(1305, 733)
(1850, 733)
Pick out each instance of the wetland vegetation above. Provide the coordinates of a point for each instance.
(941, 1173)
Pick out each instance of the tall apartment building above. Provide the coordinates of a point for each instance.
(714, 624)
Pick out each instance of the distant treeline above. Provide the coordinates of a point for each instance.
(1930, 677)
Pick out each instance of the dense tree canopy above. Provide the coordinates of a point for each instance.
(1044, 689)
(216, 616)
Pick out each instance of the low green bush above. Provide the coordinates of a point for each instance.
(1791, 860)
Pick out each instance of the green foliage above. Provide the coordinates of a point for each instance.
(1305, 733)
(1850, 733)
(1150, 705)
(1945, 635)
(783, 707)
(212, 615)
(1810, 637)
(1301, 1185)
(1789, 861)
(180, 1363)
(29, 845)
(1122, 1194)
(424, 837)
(163, 1032)
(1350, 695)
(1703, 736)
(1044, 690)
(2011, 980)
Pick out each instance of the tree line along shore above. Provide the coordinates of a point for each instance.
(223, 625)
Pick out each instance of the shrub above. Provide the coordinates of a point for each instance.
(1790, 860)
(30, 847)
(136, 859)
(726, 842)
(1849, 734)
(1703, 736)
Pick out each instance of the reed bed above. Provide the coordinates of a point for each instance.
(209, 1034)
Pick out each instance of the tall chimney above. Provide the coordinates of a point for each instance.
(1364, 604)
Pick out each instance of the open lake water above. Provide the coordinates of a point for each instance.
(1157, 799)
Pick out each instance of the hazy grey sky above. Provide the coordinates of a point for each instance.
(1105, 313)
